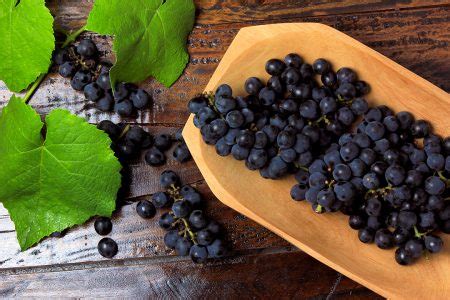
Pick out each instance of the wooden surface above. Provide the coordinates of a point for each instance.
(412, 33)
(268, 202)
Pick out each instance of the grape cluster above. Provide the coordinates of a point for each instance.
(189, 231)
(394, 191)
(279, 126)
(129, 141)
(80, 63)
(388, 172)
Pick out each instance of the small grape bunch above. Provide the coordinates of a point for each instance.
(81, 64)
(130, 141)
(189, 230)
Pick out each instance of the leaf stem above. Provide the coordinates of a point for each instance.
(73, 36)
(33, 88)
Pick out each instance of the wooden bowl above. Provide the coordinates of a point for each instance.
(326, 237)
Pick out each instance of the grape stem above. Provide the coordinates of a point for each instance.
(70, 38)
(188, 230)
(378, 192)
(419, 234)
(322, 118)
(174, 192)
(124, 131)
(445, 179)
(319, 208)
(343, 101)
(73, 36)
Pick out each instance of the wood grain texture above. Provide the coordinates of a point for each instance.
(413, 33)
(136, 237)
(71, 14)
(268, 201)
(280, 275)
(215, 11)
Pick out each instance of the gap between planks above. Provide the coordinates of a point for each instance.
(144, 261)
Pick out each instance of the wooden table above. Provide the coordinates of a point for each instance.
(413, 33)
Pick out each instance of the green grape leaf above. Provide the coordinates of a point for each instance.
(51, 183)
(149, 37)
(27, 42)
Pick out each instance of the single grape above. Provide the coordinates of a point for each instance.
(183, 246)
(194, 198)
(171, 239)
(371, 181)
(346, 75)
(345, 191)
(122, 91)
(181, 153)
(103, 81)
(105, 103)
(366, 235)
(107, 247)
(329, 79)
(383, 239)
(167, 220)
(197, 103)
(161, 199)
(80, 80)
(434, 185)
(198, 253)
(103, 225)
(415, 247)
(275, 67)
(321, 66)
(253, 85)
(86, 48)
(205, 237)
(403, 257)
(140, 99)
(154, 157)
(420, 129)
(357, 222)
(67, 69)
(267, 96)
(124, 108)
(293, 60)
(60, 56)
(92, 91)
(298, 192)
(181, 208)
(145, 209)
(198, 220)
(217, 249)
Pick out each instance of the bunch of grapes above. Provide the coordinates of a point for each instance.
(394, 191)
(80, 63)
(189, 231)
(278, 127)
(346, 156)
(130, 141)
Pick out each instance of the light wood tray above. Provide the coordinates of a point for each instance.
(326, 237)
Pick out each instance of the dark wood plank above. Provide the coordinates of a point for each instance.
(275, 273)
(136, 237)
(70, 13)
